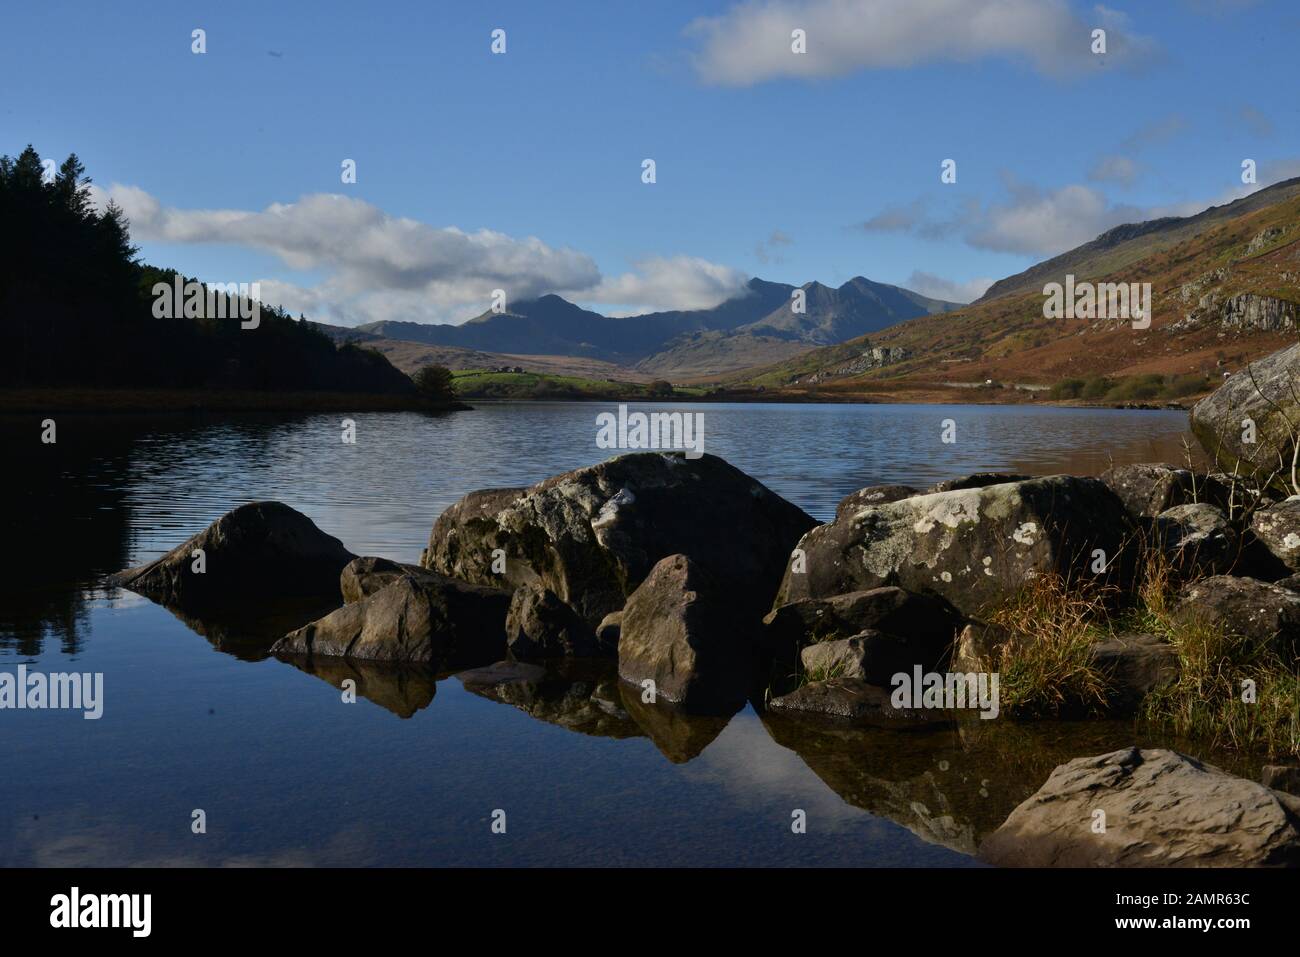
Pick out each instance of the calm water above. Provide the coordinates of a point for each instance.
(411, 774)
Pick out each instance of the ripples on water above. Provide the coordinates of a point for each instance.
(288, 774)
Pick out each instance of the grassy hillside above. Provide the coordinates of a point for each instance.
(1193, 336)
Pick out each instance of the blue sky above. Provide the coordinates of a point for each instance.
(791, 167)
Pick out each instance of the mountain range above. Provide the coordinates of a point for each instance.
(759, 325)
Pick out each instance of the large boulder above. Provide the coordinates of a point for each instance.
(873, 495)
(1277, 528)
(976, 480)
(1196, 537)
(255, 552)
(1268, 614)
(427, 619)
(1162, 809)
(591, 536)
(1149, 489)
(1265, 393)
(973, 547)
(679, 631)
(539, 625)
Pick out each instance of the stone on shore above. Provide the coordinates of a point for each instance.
(1149, 489)
(680, 631)
(592, 535)
(1196, 538)
(1266, 613)
(928, 622)
(364, 576)
(1161, 809)
(973, 547)
(1134, 667)
(429, 620)
(1277, 528)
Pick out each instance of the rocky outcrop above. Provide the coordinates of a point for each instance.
(428, 619)
(255, 552)
(539, 625)
(1268, 614)
(1277, 528)
(1258, 313)
(1196, 538)
(591, 536)
(973, 547)
(1134, 666)
(1263, 396)
(1148, 808)
(680, 631)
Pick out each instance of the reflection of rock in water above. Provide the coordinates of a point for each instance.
(248, 632)
(951, 787)
(579, 695)
(680, 737)
(403, 690)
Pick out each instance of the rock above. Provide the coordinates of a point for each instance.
(1262, 393)
(591, 536)
(1259, 313)
(608, 630)
(1148, 490)
(365, 576)
(1162, 809)
(1196, 538)
(539, 625)
(977, 647)
(1290, 583)
(852, 699)
(1281, 778)
(1278, 529)
(1268, 614)
(928, 621)
(973, 547)
(428, 620)
(976, 480)
(679, 631)
(257, 551)
(1135, 666)
(872, 656)
(873, 495)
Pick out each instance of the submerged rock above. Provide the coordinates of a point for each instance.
(428, 620)
(254, 552)
(852, 699)
(973, 547)
(591, 536)
(680, 632)
(1162, 809)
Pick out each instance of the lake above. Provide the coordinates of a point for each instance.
(286, 772)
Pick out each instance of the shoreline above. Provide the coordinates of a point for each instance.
(36, 401)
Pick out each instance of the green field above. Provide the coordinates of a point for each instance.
(490, 384)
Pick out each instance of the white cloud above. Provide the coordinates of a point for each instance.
(949, 290)
(751, 42)
(379, 266)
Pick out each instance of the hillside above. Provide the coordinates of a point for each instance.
(81, 312)
(1225, 290)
